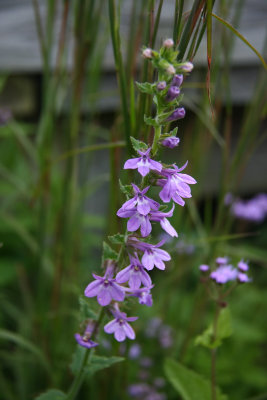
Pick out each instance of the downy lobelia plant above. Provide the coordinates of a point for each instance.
(126, 274)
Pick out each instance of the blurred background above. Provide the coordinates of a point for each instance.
(65, 118)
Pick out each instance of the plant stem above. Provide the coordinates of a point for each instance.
(157, 134)
(213, 353)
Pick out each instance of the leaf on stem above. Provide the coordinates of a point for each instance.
(52, 394)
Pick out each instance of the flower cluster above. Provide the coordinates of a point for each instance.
(124, 279)
(225, 272)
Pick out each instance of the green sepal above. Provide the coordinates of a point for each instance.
(145, 87)
(109, 253)
(138, 145)
(126, 189)
(118, 238)
(150, 121)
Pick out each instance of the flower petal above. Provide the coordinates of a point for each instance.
(93, 288)
(104, 297)
(111, 326)
(131, 163)
(116, 292)
(124, 275)
(165, 224)
(120, 334)
(129, 331)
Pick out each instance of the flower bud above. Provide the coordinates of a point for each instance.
(147, 53)
(179, 113)
(187, 67)
(170, 70)
(161, 85)
(170, 142)
(172, 93)
(177, 80)
(168, 43)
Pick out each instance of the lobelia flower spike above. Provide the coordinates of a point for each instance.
(105, 288)
(85, 339)
(144, 163)
(119, 326)
(142, 203)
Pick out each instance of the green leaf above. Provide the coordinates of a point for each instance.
(52, 394)
(7, 270)
(118, 238)
(94, 364)
(145, 87)
(86, 310)
(126, 189)
(223, 331)
(188, 383)
(150, 121)
(109, 253)
(138, 145)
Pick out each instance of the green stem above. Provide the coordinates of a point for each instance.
(213, 353)
(157, 134)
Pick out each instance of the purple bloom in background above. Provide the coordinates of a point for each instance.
(134, 351)
(177, 80)
(153, 327)
(165, 336)
(178, 113)
(254, 210)
(204, 267)
(85, 339)
(161, 85)
(159, 382)
(165, 224)
(136, 221)
(176, 185)
(138, 389)
(119, 326)
(172, 93)
(222, 260)
(243, 278)
(187, 66)
(105, 288)
(146, 362)
(224, 274)
(144, 163)
(155, 396)
(170, 142)
(243, 266)
(135, 274)
(143, 295)
(142, 203)
(5, 116)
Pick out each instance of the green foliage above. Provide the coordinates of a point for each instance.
(150, 121)
(86, 308)
(52, 394)
(94, 364)
(145, 87)
(126, 189)
(189, 384)
(223, 331)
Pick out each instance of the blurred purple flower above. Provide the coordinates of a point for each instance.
(221, 260)
(142, 203)
(5, 116)
(243, 266)
(138, 389)
(161, 85)
(152, 327)
(134, 351)
(119, 326)
(204, 267)
(243, 278)
(165, 336)
(144, 163)
(254, 210)
(172, 93)
(177, 80)
(146, 362)
(224, 274)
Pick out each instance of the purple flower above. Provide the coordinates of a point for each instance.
(204, 267)
(165, 336)
(177, 80)
(136, 221)
(171, 142)
(138, 389)
(172, 93)
(224, 274)
(135, 274)
(243, 278)
(222, 260)
(119, 326)
(254, 209)
(176, 185)
(178, 113)
(134, 351)
(142, 203)
(243, 266)
(143, 295)
(153, 255)
(144, 163)
(85, 339)
(161, 85)
(187, 66)
(105, 288)
(165, 224)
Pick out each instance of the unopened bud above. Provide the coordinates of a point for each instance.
(168, 43)
(161, 85)
(147, 53)
(170, 70)
(187, 67)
